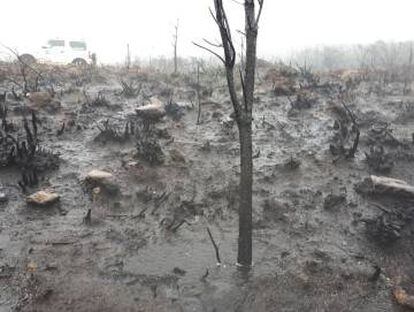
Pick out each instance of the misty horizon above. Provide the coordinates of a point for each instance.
(148, 27)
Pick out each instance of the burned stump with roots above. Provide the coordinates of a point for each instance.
(148, 145)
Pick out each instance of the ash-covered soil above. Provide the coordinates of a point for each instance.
(320, 242)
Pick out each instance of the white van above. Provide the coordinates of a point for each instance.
(60, 51)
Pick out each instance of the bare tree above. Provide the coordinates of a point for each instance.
(175, 43)
(30, 75)
(408, 72)
(128, 58)
(198, 93)
(243, 109)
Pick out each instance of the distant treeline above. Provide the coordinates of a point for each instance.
(384, 55)
(379, 55)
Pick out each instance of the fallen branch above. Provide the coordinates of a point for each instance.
(122, 215)
(125, 215)
(141, 214)
(392, 186)
(215, 246)
(159, 200)
(385, 186)
(62, 243)
(54, 243)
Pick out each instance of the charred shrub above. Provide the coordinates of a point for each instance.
(407, 111)
(346, 132)
(130, 89)
(114, 132)
(381, 133)
(307, 78)
(91, 104)
(283, 79)
(100, 100)
(21, 147)
(384, 229)
(148, 145)
(174, 110)
(3, 114)
(378, 160)
(304, 100)
(3, 97)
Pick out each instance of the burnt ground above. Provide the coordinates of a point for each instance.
(319, 245)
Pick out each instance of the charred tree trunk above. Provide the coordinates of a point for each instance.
(242, 52)
(243, 111)
(198, 94)
(244, 255)
(408, 73)
(175, 43)
(244, 123)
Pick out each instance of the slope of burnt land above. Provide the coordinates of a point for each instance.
(131, 182)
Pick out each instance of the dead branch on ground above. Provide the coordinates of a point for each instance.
(215, 246)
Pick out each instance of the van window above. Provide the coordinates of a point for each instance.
(78, 45)
(56, 43)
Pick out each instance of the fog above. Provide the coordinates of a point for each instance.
(148, 25)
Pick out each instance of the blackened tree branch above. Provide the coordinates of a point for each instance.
(215, 246)
(211, 51)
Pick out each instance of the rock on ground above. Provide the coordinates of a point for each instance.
(99, 175)
(155, 110)
(43, 198)
(103, 179)
(3, 197)
(177, 156)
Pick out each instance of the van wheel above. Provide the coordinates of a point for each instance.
(27, 58)
(79, 62)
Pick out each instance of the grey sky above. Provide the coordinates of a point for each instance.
(147, 25)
